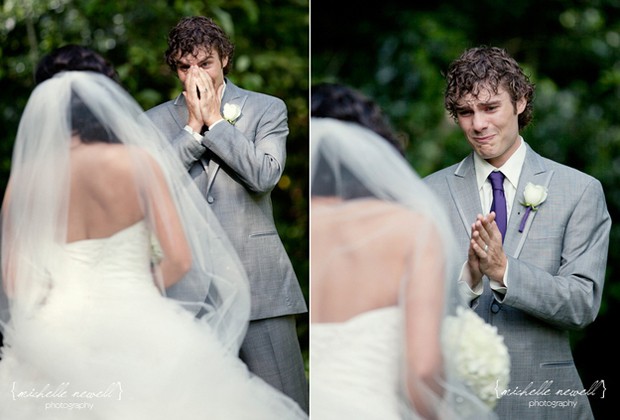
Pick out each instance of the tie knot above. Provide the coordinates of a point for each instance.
(497, 180)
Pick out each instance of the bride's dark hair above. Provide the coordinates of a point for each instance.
(342, 102)
(86, 125)
(337, 182)
(73, 57)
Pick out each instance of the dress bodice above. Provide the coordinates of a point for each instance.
(119, 260)
(125, 250)
(357, 361)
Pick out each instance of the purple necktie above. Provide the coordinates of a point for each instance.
(499, 201)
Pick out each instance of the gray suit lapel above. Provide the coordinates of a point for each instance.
(533, 171)
(464, 192)
(180, 112)
(232, 95)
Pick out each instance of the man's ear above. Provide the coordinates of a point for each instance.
(521, 104)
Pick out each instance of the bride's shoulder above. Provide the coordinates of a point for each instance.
(390, 211)
(98, 152)
(110, 159)
(366, 207)
(109, 153)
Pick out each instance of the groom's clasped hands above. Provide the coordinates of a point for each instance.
(203, 98)
(486, 252)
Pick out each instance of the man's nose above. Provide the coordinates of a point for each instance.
(479, 121)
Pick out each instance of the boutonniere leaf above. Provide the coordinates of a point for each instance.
(533, 197)
(231, 113)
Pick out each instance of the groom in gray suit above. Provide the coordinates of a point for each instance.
(233, 143)
(535, 242)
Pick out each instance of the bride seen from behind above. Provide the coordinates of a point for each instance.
(98, 222)
(383, 272)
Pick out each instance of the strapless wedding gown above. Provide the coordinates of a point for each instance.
(355, 368)
(106, 345)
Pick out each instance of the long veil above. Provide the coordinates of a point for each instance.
(349, 161)
(35, 216)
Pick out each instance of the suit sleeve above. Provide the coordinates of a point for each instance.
(258, 161)
(569, 296)
(186, 147)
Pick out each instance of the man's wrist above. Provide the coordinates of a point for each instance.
(500, 285)
(191, 131)
(216, 123)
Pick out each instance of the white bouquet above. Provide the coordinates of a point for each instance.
(476, 354)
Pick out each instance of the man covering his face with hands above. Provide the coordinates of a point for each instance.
(233, 143)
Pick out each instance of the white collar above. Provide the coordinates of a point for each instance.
(224, 89)
(511, 169)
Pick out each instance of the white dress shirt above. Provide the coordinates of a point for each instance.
(512, 171)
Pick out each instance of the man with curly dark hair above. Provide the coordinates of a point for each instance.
(233, 143)
(534, 235)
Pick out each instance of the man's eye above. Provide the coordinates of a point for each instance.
(184, 67)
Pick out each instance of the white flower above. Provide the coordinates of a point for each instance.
(534, 195)
(231, 112)
(476, 354)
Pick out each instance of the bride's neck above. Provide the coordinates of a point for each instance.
(75, 141)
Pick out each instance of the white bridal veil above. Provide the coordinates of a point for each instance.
(349, 161)
(35, 217)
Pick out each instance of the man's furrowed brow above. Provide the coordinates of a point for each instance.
(490, 102)
(464, 107)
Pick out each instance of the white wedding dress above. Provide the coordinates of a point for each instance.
(106, 345)
(355, 368)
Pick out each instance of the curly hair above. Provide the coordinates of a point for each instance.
(332, 100)
(483, 68)
(194, 33)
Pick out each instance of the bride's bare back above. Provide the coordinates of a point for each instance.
(112, 187)
(103, 196)
(369, 254)
(362, 250)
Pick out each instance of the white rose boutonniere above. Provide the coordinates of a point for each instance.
(476, 354)
(533, 197)
(231, 112)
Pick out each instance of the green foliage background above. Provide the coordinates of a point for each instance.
(271, 56)
(571, 49)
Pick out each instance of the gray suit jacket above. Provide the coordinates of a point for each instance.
(556, 271)
(236, 168)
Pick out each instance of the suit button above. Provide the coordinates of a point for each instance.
(495, 307)
(210, 199)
